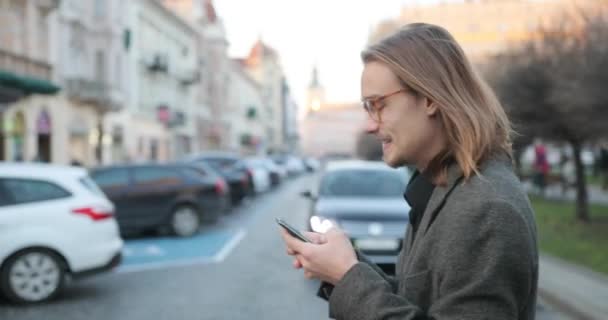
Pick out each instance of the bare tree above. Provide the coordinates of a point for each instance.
(554, 87)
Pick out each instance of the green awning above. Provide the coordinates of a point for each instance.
(9, 79)
(34, 85)
(27, 84)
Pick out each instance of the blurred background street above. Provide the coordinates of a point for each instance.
(254, 280)
(146, 147)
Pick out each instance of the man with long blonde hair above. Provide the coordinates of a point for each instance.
(470, 251)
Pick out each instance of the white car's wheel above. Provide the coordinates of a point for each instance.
(31, 276)
(185, 221)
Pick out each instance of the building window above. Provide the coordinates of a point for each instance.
(140, 145)
(76, 55)
(16, 27)
(43, 34)
(100, 66)
(117, 73)
(76, 6)
(100, 8)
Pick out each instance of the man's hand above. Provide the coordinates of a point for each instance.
(329, 257)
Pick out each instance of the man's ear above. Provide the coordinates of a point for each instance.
(431, 107)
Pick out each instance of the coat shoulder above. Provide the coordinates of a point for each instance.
(496, 190)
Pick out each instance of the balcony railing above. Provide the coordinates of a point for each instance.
(24, 66)
(95, 92)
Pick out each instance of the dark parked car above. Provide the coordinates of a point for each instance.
(232, 168)
(365, 199)
(163, 196)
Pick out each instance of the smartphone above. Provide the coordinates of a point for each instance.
(292, 231)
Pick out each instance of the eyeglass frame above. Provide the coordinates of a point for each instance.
(369, 104)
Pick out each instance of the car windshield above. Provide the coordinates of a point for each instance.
(363, 183)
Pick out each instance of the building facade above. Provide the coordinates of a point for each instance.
(264, 66)
(214, 125)
(91, 57)
(159, 122)
(248, 134)
(290, 130)
(28, 81)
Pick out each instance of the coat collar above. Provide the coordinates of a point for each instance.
(455, 177)
(441, 193)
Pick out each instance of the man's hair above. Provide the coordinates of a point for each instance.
(428, 61)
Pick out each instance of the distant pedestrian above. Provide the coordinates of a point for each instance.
(470, 251)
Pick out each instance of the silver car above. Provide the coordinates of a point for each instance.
(365, 199)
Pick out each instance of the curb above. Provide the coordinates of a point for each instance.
(563, 306)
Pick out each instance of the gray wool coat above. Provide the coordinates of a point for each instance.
(474, 256)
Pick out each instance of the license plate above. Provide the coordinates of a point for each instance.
(377, 244)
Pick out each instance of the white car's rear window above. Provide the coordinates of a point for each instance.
(90, 185)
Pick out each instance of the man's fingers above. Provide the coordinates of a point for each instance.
(297, 264)
(309, 275)
(292, 243)
(316, 238)
(334, 233)
(334, 230)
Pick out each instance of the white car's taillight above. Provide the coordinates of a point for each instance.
(96, 214)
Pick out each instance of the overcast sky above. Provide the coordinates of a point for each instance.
(330, 33)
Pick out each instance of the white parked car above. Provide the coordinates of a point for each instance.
(55, 223)
(295, 165)
(260, 174)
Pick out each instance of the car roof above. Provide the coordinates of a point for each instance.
(39, 170)
(336, 165)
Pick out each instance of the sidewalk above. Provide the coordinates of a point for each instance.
(574, 290)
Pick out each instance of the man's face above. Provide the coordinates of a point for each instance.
(404, 126)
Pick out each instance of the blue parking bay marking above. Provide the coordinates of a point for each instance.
(154, 253)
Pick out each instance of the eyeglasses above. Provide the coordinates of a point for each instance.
(374, 106)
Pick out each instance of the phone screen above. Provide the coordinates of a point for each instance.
(292, 231)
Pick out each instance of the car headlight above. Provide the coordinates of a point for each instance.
(321, 225)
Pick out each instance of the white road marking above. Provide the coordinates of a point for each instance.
(228, 247)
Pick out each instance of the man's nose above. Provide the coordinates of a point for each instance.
(371, 126)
